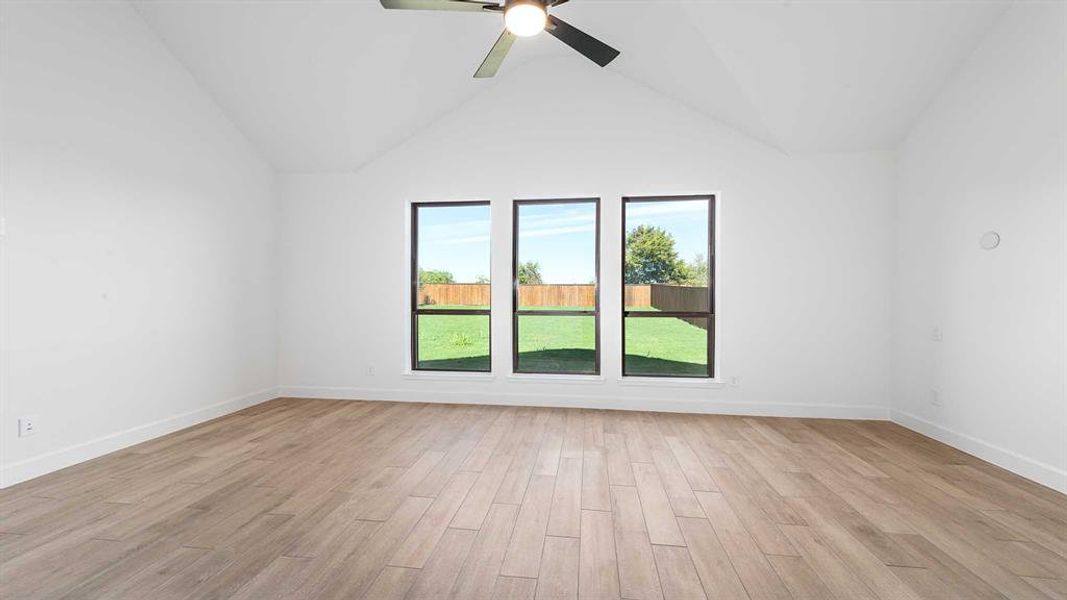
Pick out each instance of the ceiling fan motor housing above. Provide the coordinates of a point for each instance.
(543, 4)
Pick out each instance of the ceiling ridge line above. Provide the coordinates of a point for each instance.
(257, 150)
(745, 92)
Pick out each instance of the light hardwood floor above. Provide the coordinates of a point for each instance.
(335, 499)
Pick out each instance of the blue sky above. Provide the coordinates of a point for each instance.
(685, 220)
(455, 239)
(562, 238)
(558, 236)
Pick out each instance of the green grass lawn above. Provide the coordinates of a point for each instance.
(665, 346)
(564, 344)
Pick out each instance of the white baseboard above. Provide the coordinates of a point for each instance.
(666, 404)
(1029, 468)
(64, 457)
(1037, 471)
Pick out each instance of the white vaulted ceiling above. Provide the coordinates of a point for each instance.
(329, 85)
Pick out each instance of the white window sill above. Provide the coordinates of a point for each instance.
(549, 378)
(687, 382)
(447, 376)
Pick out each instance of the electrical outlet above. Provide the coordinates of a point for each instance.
(370, 371)
(936, 335)
(735, 381)
(935, 397)
(28, 425)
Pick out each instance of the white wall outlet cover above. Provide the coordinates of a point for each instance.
(989, 240)
(28, 425)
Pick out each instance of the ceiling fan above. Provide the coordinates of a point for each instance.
(522, 18)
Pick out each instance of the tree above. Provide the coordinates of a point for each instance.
(481, 279)
(426, 276)
(652, 258)
(697, 272)
(529, 273)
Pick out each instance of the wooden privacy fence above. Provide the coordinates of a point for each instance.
(638, 296)
(678, 298)
(681, 298)
(569, 295)
(477, 294)
(460, 294)
(659, 296)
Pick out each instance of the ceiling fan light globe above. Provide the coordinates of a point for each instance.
(525, 19)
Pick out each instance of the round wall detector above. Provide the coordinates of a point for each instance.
(989, 240)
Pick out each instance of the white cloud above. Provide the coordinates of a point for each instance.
(553, 231)
(650, 209)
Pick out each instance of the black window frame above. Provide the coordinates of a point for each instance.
(416, 311)
(517, 311)
(709, 315)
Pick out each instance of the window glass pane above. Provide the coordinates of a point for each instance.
(556, 264)
(676, 347)
(666, 255)
(453, 261)
(557, 344)
(453, 342)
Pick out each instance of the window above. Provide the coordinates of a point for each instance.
(555, 286)
(450, 291)
(668, 323)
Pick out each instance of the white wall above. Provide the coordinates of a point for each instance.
(805, 262)
(989, 155)
(138, 265)
(138, 270)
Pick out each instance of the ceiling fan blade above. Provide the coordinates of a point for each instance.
(593, 49)
(496, 55)
(453, 5)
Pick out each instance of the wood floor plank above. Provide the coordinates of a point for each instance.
(419, 545)
(1053, 588)
(659, 517)
(638, 578)
(599, 570)
(478, 577)
(361, 567)
(619, 471)
(383, 504)
(712, 564)
(573, 435)
(513, 487)
(523, 557)
(476, 505)
(281, 578)
(698, 477)
(559, 572)
(514, 588)
(951, 574)
(801, 580)
(677, 574)
(835, 573)
(596, 494)
(861, 561)
(549, 454)
(392, 583)
(757, 575)
(438, 577)
(683, 501)
(484, 450)
(759, 524)
(566, 512)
